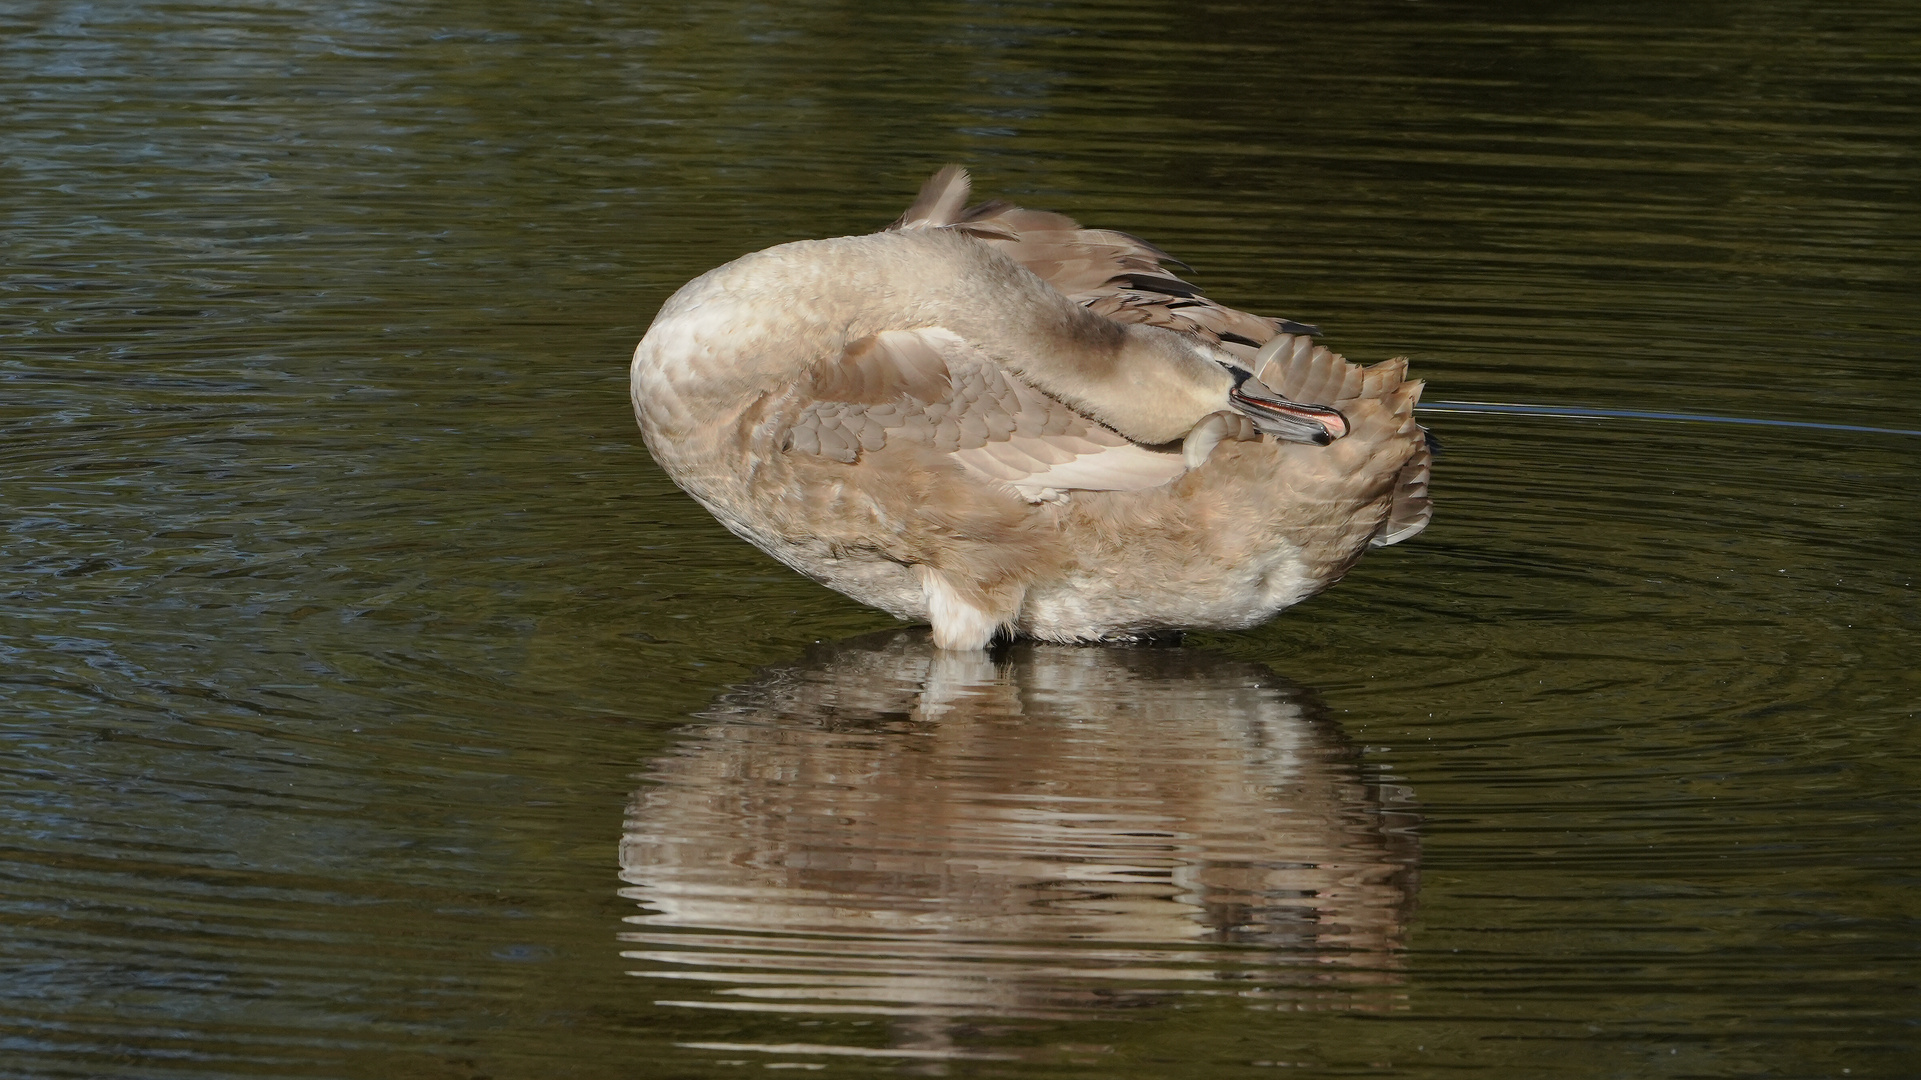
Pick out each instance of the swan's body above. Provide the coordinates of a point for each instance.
(994, 419)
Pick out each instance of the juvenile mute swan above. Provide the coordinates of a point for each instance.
(995, 420)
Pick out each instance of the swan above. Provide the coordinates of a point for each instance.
(996, 421)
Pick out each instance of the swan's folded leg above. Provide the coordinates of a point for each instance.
(962, 619)
(1200, 443)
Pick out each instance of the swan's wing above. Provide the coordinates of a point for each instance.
(1121, 277)
(930, 389)
(1111, 273)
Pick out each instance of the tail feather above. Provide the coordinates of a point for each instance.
(1384, 378)
(1411, 508)
(1299, 370)
(1305, 372)
(940, 202)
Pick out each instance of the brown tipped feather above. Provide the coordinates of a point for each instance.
(939, 203)
(1411, 508)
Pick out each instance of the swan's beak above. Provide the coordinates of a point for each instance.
(1290, 421)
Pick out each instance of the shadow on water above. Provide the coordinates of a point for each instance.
(1049, 832)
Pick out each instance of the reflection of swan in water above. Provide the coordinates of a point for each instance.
(892, 829)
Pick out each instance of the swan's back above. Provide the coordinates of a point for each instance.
(995, 420)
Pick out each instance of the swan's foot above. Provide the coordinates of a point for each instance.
(962, 619)
(1214, 429)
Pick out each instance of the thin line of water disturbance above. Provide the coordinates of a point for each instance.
(1581, 412)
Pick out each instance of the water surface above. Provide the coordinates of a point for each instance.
(367, 689)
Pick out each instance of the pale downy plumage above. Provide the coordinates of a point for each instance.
(997, 421)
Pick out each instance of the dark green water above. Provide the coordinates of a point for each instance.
(374, 708)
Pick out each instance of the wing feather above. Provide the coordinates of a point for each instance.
(940, 201)
(881, 368)
(929, 387)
